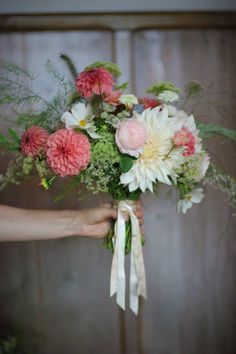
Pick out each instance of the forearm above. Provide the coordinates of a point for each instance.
(25, 225)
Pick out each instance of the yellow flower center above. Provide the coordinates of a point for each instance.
(83, 123)
(150, 150)
(188, 197)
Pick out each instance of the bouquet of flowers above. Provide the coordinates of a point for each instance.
(92, 133)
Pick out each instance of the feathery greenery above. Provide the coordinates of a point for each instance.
(71, 66)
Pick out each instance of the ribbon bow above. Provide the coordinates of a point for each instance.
(137, 271)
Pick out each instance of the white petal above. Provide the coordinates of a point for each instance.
(79, 111)
(127, 177)
(197, 195)
(69, 120)
(133, 186)
(91, 131)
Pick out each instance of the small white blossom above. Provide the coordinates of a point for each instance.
(128, 100)
(168, 96)
(193, 197)
(203, 166)
(80, 117)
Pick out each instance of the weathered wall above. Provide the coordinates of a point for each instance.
(55, 293)
(73, 6)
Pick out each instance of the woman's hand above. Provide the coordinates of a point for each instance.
(97, 222)
(30, 225)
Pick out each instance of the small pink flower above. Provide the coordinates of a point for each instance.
(185, 138)
(96, 81)
(149, 102)
(68, 152)
(34, 141)
(130, 137)
(113, 98)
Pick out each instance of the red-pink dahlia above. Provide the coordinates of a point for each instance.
(34, 141)
(185, 138)
(68, 152)
(94, 81)
(150, 102)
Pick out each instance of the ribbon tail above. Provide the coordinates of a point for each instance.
(117, 284)
(137, 269)
(133, 285)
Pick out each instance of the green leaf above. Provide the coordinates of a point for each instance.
(161, 86)
(126, 162)
(210, 130)
(11, 144)
(14, 136)
(121, 87)
(3, 140)
(70, 65)
(113, 68)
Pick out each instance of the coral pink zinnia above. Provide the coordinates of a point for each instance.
(113, 98)
(185, 138)
(68, 152)
(33, 141)
(94, 81)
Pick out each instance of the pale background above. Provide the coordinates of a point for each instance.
(54, 294)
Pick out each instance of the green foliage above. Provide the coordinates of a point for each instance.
(41, 166)
(184, 185)
(161, 86)
(73, 98)
(120, 192)
(210, 130)
(59, 78)
(188, 174)
(26, 120)
(9, 345)
(111, 116)
(221, 181)
(15, 83)
(121, 87)
(10, 143)
(69, 189)
(104, 164)
(39, 163)
(113, 68)
(16, 91)
(126, 162)
(15, 174)
(108, 240)
(28, 165)
(46, 183)
(194, 89)
(70, 65)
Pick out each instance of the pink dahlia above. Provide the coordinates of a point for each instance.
(34, 141)
(68, 152)
(185, 138)
(94, 81)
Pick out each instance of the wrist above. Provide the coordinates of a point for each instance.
(74, 223)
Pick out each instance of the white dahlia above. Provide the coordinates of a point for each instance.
(160, 158)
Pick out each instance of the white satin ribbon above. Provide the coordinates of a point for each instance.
(137, 271)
